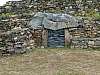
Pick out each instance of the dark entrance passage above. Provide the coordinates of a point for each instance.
(56, 38)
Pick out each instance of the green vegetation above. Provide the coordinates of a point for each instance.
(6, 14)
(97, 15)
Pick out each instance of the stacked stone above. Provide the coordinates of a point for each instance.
(86, 37)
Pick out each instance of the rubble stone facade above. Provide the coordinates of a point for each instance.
(16, 35)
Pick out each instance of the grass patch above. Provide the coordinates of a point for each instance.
(52, 61)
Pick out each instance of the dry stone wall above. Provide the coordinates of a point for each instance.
(16, 36)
